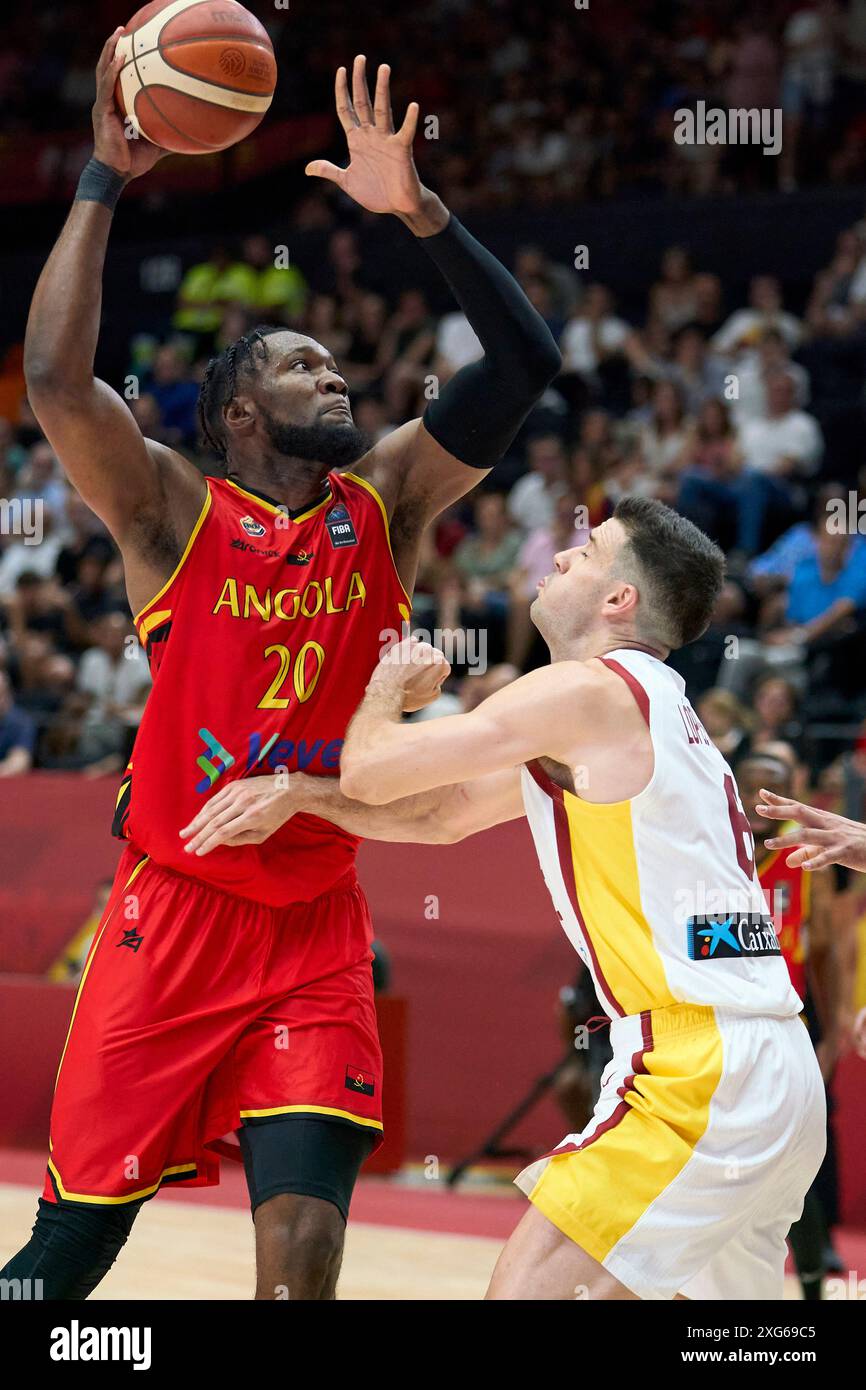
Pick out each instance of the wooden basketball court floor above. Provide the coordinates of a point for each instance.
(405, 1241)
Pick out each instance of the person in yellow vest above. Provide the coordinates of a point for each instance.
(70, 963)
(203, 293)
(801, 903)
(277, 290)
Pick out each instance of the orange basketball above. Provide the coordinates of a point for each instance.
(198, 75)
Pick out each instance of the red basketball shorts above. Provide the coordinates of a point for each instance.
(199, 1012)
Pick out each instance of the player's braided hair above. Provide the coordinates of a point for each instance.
(220, 383)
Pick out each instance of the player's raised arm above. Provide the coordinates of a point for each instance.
(426, 464)
(535, 716)
(132, 484)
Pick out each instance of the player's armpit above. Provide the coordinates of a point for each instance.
(409, 468)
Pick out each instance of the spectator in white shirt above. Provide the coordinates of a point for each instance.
(771, 356)
(744, 330)
(592, 335)
(456, 345)
(785, 442)
(30, 553)
(114, 676)
(532, 500)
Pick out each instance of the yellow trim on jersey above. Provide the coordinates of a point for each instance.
(132, 877)
(153, 620)
(205, 508)
(607, 882)
(281, 511)
(189, 1168)
(312, 1110)
(805, 897)
(767, 862)
(362, 482)
(585, 1194)
(770, 858)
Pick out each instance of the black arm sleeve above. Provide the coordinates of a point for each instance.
(481, 408)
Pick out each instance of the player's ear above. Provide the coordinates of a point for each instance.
(621, 602)
(240, 415)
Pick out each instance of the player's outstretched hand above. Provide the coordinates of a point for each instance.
(417, 669)
(381, 173)
(243, 813)
(825, 838)
(129, 157)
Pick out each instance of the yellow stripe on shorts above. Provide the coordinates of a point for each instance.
(596, 1193)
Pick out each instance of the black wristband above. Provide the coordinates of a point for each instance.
(99, 184)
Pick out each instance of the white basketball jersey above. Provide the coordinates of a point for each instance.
(659, 894)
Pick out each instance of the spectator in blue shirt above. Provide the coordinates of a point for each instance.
(799, 542)
(17, 734)
(175, 394)
(827, 590)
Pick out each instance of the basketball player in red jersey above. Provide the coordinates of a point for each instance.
(803, 907)
(234, 992)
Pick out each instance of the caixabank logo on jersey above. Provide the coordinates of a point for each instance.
(721, 937)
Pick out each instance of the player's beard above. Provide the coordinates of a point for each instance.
(333, 446)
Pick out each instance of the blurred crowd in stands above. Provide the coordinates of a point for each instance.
(731, 411)
(533, 100)
(721, 409)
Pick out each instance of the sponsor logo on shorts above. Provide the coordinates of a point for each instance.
(339, 527)
(360, 1081)
(731, 936)
(131, 939)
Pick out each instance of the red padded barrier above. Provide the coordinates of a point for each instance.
(475, 946)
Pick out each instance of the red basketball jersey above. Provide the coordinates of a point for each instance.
(788, 894)
(260, 646)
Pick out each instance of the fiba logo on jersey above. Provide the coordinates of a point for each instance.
(251, 526)
(339, 527)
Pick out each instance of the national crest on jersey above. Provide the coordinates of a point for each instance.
(260, 646)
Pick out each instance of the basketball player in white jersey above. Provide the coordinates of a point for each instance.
(710, 1125)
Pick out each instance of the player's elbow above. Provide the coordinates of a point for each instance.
(546, 362)
(540, 363)
(47, 376)
(40, 374)
(361, 780)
